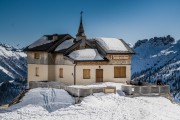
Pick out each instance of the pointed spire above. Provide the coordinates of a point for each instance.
(81, 29)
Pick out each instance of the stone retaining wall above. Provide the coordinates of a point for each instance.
(86, 91)
(146, 90)
(74, 91)
(35, 84)
(83, 92)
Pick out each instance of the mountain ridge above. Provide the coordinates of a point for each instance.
(13, 63)
(157, 58)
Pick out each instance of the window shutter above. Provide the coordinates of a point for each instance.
(123, 72)
(115, 72)
(60, 72)
(86, 73)
(120, 72)
(36, 71)
(36, 55)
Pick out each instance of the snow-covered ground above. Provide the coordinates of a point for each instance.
(49, 98)
(105, 107)
(98, 106)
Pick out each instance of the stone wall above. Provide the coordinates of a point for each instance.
(72, 90)
(146, 90)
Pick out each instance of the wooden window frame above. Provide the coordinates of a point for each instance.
(37, 71)
(60, 72)
(36, 55)
(86, 76)
(121, 73)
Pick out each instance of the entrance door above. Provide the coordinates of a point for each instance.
(99, 75)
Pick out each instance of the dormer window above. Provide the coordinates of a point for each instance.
(36, 55)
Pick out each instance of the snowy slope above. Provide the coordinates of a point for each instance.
(12, 63)
(177, 97)
(99, 106)
(157, 58)
(49, 98)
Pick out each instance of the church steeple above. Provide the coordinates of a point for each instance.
(81, 28)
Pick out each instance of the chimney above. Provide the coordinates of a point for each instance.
(55, 36)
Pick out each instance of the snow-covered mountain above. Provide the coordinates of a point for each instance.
(13, 64)
(13, 72)
(158, 57)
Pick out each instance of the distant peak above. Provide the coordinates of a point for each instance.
(9, 47)
(157, 41)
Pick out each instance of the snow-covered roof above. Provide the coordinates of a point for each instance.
(66, 44)
(40, 41)
(85, 54)
(113, 44)
(48, 42)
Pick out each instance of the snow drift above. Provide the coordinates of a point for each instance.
(49, 98)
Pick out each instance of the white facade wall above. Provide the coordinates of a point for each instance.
(42, 60)
(68, 74)
(59, 60)
(42, 70)
(51, 73)
(108, 74)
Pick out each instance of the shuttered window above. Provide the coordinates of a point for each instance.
(36, 71)
(36, 55)
(86, 74)
(120, 72)
(60, 72)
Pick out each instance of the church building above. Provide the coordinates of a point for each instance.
(79, 60)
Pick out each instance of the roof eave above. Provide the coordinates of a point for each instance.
(120, 53)
(91, 60)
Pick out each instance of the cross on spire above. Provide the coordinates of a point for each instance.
(81, 28)
(81, 13)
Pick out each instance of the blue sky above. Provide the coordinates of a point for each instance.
(24, 21)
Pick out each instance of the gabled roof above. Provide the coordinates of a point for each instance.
(112, 46)
(83, 55)
(86, 54)
(47, 43)
(64, 45)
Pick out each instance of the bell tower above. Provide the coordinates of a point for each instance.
(81, 35)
